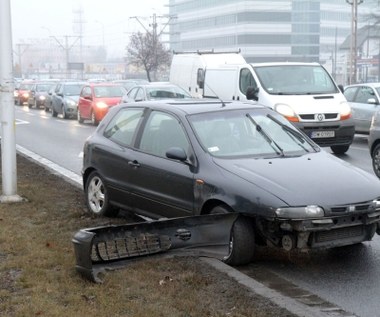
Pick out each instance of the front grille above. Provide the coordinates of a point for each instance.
(338, 234)
(311, 117)
(354, 208)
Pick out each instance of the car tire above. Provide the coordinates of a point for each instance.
(340, 149)
(79, 117)
(36, 105)
(376, 160)
(96, 195)
(30, 105)
(53, 112)
(64, 113)
(242, 240)
(93, 119)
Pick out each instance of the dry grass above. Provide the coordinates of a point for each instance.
(38, 278)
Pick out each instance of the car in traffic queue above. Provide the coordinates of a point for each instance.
(96, 98)
(129, 83)
(364, 100)
(155, 91)
(22, 92)
(64, 100)
(195, 157)
(39, 93)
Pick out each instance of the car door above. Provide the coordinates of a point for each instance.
(85, 100)
(55, 98)
(162, 186)
(364, 106)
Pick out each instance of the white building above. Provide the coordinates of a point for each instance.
(266, 30)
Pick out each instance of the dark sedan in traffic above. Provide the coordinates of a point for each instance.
(183, 158)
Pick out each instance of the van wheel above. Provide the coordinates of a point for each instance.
(242, 239)
(340, 149)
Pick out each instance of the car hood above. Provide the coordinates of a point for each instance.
(312, 179)
(311, 104)
(112, 101)
(72, 97)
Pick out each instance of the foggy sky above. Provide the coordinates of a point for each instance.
(33, 19)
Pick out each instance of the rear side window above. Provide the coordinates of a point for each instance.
(365, 93)
(122, 127)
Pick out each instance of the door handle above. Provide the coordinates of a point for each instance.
(134, 163)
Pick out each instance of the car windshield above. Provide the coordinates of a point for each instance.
(109, 91)
(166, 92)
(72, 89)
(44, 87)
(26, 86)
(249, 133)
(295, 80)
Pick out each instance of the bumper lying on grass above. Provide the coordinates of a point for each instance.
(109, 247)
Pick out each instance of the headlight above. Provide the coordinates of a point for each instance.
(311, 211)
(345, 112)
(25, 95)
(101, 105)
(42, 97)
(286, 111)
(71, 102)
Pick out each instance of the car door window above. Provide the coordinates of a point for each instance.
(364, 94)
(123, 126)
(139, 95)
(350, 92)
(162, 132)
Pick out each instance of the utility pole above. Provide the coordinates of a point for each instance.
(7, 109)
(353, 45)
(67, 49)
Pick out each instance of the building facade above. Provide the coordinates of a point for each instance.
(265, 30)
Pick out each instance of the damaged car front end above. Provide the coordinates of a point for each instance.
(201, 158)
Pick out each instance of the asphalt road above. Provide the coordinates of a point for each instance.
(348, 277)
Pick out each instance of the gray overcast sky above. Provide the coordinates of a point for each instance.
(33, 19)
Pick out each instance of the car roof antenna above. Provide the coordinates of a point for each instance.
(216, 96)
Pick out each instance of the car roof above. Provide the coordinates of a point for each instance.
(194, 106)
(104, 84)
(284, 64)
(374, 85)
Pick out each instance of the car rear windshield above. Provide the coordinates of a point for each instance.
(295, 80)
(249, 133)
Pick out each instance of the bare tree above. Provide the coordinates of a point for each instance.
(145, 50)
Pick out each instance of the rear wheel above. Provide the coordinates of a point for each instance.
(242, 240)
(96, 195)
(340, 149)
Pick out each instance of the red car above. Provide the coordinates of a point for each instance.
(96, 98)
(22, 93)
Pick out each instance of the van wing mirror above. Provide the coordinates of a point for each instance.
(341, 88)
(252, 93)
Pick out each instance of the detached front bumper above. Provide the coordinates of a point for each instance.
(326, 232)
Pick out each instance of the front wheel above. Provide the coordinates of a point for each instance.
(340, 149)
(79, 117)
(94, 121)
(242, 239)
(96, 195)
(53, 112)
(376, 160)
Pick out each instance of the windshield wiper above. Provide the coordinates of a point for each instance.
(271, 142)
(295, 135)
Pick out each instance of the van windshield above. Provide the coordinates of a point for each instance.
(295, 80)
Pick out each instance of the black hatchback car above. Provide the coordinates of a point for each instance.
(182, 158)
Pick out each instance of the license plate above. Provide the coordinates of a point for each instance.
(322, 134)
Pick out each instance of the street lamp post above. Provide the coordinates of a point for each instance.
(353, 45)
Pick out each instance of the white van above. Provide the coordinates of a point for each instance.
(304, 93)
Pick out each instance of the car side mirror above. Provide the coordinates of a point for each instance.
(372, 101)
(88, 97)
(341, 88)
(252, 93)
(176, 153)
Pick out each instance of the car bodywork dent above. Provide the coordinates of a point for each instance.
(110, 247)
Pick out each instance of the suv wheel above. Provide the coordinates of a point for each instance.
(340, 149)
